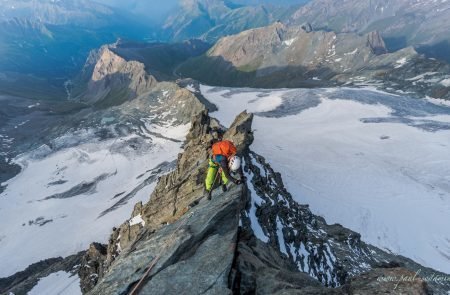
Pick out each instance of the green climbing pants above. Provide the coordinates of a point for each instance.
(211, 175)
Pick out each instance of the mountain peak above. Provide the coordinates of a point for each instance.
(109, 77)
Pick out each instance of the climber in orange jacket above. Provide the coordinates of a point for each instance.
(223, 161)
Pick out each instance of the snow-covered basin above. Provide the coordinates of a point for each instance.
(36, 227)
(57, 283)
(374, 162)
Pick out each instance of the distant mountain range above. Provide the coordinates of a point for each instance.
(81, 13)
(403, 23)
(211, 19)
(293, 56)
(46, 42)
(423, 24)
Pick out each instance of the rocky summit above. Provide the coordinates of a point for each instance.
(179, 235)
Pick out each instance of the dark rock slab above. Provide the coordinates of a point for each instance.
(193, 254)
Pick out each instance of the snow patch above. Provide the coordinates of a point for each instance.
(446, 82)
(438, 101)
(351, 53)
(255, 101)
(191, 88)
(137, 220)
(281, 237)
(255, 201)
(289, 42)
(401, 62)
(421, 76)
(34, 105)
(305, 257)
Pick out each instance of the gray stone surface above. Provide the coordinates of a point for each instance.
(195, 253)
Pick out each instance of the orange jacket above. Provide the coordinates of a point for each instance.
(225, 148)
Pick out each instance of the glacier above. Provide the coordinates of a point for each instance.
(80, 174)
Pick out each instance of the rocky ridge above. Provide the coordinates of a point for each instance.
(167, 208)
(178, 235)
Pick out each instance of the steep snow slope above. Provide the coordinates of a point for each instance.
(374, 162)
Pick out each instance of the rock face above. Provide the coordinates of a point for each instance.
(179, 242)
(93, 262)
(376, 43)
(259, 269)
(307, 27)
